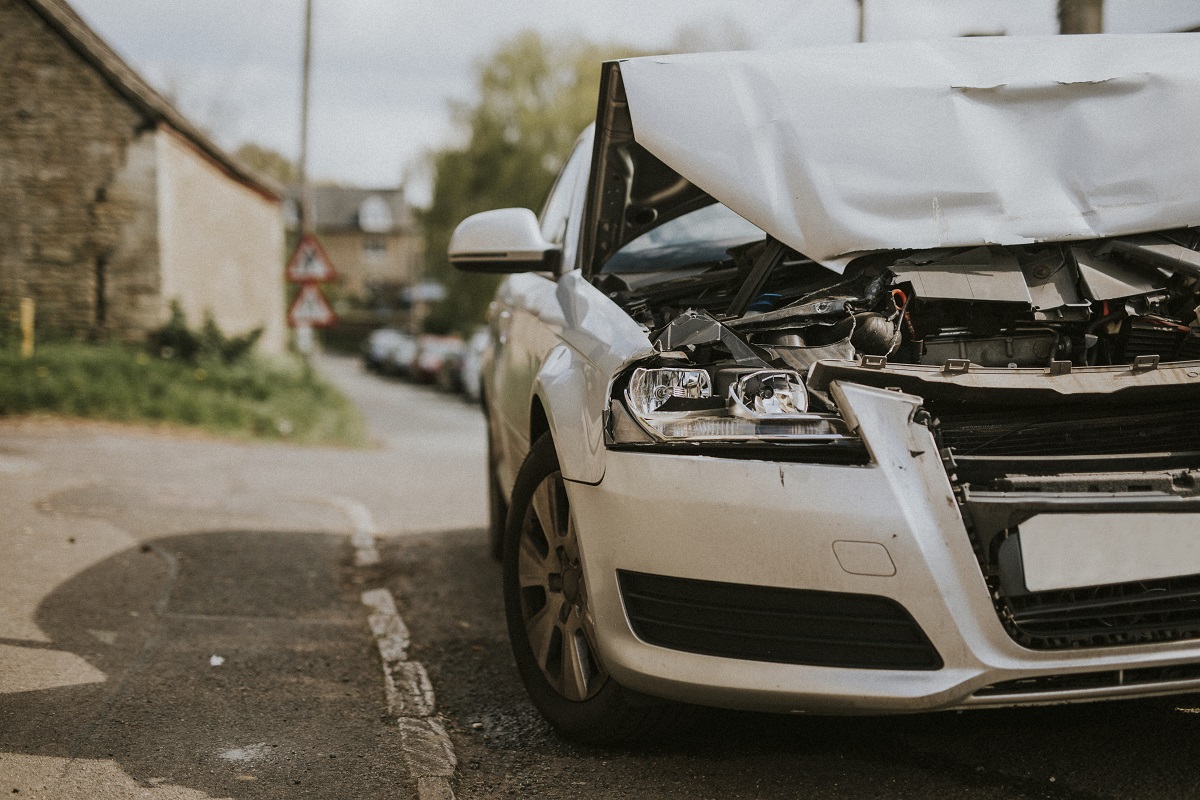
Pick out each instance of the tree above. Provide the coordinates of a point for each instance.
(535, 96)
(270, 163)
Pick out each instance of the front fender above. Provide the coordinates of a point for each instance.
(574, 395)
(596, 340)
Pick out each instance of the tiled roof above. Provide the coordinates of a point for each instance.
(336, 208)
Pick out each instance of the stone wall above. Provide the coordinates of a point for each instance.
(77, 225)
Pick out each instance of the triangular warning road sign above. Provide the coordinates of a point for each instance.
(310, 263)
(311, 308)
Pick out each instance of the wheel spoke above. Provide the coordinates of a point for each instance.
(540, 630)
(544, 503)
(570, 544)
(576, 664)
(533, 568)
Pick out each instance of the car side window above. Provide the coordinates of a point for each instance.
(561, 201)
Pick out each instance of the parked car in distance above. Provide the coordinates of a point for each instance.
(378, 346)
(470, 365)
(432, 352)
(400, 357)
(855, 380)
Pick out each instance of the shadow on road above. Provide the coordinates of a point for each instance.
(290, 706)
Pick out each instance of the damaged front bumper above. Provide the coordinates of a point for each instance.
(837, 588)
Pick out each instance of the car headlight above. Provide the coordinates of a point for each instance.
(769, 394)
(665, 390)
(670, 404)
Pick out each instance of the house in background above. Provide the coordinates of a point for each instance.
(112, 204)
(372, 238)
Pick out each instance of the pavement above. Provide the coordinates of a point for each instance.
(188, 617)
(181, 616)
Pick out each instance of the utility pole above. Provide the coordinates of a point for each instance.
(862, 20)
(305, 341)
(1080, 16)
(305, 200)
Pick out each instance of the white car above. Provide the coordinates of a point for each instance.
(855, 380)
(471, 365)
(378, 347)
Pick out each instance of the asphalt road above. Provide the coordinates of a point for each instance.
(182, 617)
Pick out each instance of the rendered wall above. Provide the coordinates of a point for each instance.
(221, 245)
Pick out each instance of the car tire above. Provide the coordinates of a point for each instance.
(549, 621)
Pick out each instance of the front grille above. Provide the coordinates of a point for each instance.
(1170, 342)
(1142, 676)
(1119, 614)
(1072, 431)
(785, 626)
(1093, 449)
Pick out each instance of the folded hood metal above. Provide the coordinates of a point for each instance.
(837, 151)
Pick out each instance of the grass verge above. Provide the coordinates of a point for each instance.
(278, 398)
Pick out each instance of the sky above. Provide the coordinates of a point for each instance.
(386, 71)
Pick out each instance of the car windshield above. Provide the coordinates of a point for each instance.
(699, 237)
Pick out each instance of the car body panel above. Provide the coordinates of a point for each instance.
(563, 340)
(775, 524)
(910, 515)
(896, 145)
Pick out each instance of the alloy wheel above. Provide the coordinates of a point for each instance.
(553, 597)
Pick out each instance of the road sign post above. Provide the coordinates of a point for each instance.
(309, 263)
(309, 266)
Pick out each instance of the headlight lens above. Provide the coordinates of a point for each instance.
(770, 393)
(652, 390)
(693, 404)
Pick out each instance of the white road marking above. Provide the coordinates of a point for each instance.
(363, 538)
(391, 634)
(410, 700)
(410, 694)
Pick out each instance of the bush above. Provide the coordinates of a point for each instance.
(246, 395)
(176, 340)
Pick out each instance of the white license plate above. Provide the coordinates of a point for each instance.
(1065, 551)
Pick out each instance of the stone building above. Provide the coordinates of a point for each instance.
(371, 237)
(112, 204)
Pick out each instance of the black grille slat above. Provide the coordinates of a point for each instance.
(843, 642)
(1129, 606)
(1141, 676)
(772, 624)
(705, 611)
(1072, 432)
(1132, 613)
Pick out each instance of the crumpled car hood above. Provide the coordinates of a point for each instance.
(842, 150)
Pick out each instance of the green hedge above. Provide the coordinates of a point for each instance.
(251, 396)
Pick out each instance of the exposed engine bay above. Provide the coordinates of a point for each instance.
(751, 351)
(1094, 303)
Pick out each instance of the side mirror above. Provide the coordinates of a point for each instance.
(503, 240)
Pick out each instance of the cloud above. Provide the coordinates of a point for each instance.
(385, 71)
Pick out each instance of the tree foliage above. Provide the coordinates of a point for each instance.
(269, 162)
(535, 96)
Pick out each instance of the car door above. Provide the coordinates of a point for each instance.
(527, 320)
